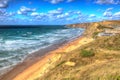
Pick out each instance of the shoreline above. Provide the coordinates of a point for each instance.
(31, 59)
(39, 63)
(42, 50)
(33, 55)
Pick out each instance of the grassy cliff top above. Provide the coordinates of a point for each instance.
(98, 60)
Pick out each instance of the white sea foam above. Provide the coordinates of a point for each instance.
(6, 58)
(20, 46)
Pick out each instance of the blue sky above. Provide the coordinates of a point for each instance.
(56, 12)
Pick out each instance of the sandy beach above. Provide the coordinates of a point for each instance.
(35, 66)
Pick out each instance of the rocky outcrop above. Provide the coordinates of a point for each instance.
(96, 27)
(80, 25)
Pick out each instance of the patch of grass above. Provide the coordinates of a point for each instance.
(60, 63)
(95, 34)
(87, 53)
(116, 77)
(101, 27)
(112, 43)
(68, 79)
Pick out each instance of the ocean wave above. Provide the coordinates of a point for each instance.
(6, 58)
(14, 48)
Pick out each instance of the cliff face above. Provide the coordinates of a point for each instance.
(112, 23)
(81, 25)
(96, 27)
(96, 60)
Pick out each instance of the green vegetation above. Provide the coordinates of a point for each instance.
(95, 34)
(110, 43)
(113, 43)
(87, 53)
(60, 63)
(68, 79)
(115, 77)
(101, 27)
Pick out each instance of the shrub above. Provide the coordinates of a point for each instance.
(95, 34)
(68, 79)
(87, 53)
(60, 63)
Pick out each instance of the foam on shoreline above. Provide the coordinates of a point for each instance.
(39, 63)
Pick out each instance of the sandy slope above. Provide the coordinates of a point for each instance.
(42, 66)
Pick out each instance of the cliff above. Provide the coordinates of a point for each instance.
(111, 23)
(96, 60)
(94, 28)
(81, 25)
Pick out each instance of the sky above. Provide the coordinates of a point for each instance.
(57, 12)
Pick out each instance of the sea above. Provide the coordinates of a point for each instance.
(16, 43)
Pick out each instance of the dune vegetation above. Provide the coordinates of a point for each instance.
(91, 62)
(97, 60)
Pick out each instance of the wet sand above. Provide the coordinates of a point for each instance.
(41, 61)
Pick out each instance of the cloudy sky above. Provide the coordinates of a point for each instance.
(52, 12)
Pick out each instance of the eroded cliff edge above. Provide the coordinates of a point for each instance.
(96, 60)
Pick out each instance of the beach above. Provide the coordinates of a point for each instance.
(18, 44)
(36, 65)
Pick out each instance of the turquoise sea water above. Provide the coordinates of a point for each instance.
(17, 43)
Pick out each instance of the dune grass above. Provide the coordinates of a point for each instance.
(87, 53)
(98, 60)
(91, 62)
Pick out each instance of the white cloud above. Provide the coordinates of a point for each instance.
(70, 0)
(5, 16)
(109, 9)
(75, 12)
(64, 15)
(58, 1)
(109, 15)
(19, 12)
(56, 16)
(92, 15)
(50, 15)
(107, 1)
(54, 1)
(108, 12)
(34, 14)
(54, 12)
(3, 13)
(24, 10)
(117, 15)
(3, 3)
